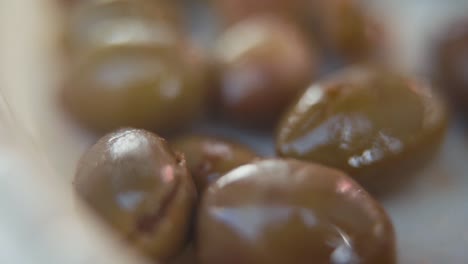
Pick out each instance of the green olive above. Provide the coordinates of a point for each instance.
(368, 121)
(141, 188)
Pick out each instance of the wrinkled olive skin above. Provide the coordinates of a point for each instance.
(371, 122)
(264, 64)
(286, 211)
(134, 86)
(96, 24)
(209, 158)
(451, 63)
(141, 188)
(346, 28)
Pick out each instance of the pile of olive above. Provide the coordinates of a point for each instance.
(267, 211)
(211, 200)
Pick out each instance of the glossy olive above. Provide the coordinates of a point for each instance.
(96, 24)
(209, 158)
(286, 211)
(451, 63)
(347, 28)
(134, 86)
(368, 121)
(141, 188)
(264, 62)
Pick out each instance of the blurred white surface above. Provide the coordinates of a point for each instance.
(39, 221)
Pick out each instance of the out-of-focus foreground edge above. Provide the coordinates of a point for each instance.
(40, 222)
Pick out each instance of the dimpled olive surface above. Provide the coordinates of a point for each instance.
(133, 181)
(144, 87)
(265, 62)
(367, 121)
(451, 65)
(209, 158)
(286, 211)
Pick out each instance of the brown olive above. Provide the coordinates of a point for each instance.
(96, 24)
(369, 121)
(347, 28)
(286, 211)
(132, 66)
(209, 158)
(136, 86)
(264, 62)
(141, 188)
(451, 64)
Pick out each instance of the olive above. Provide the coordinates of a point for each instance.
(265, 62)
(451, 63)
(138, 86)
(96, 24)
(143, 190)
(346, 28)
(287, 211)
(209, 158)
(370, 121)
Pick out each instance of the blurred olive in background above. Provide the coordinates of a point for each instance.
(264, 63)
(346, 28)
(209, 158)
(139, 86)
(286, 211)
(369, 121)
(141, 188)
(451, 63)
(132, 65)
(96, 24)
